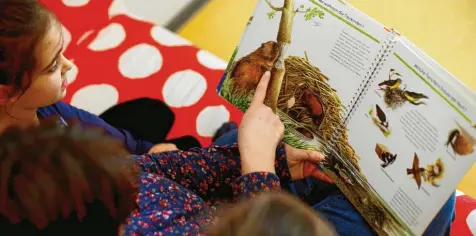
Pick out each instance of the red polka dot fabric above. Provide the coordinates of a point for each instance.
(119, 57)
(465, 221)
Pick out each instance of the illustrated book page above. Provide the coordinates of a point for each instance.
(320, 53)
(471, 95)
(419, 139)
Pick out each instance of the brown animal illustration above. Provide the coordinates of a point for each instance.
(382, 117)
(313, 105)
(385, 155)
(417, 171)
(249, 69)
(460, 143)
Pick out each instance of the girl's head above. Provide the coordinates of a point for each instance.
(32, 65)
(271, 214)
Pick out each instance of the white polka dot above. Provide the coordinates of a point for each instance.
(210, 119)
(211, 61)
(84, 36)
(459, 193)
(471, 221)
(165, 37)
(109, 37)
(184, 88)
(71, 75)
(95, 98)
(75, 3)
(140, 61)
(66, 37)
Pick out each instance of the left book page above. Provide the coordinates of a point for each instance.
(324, 51)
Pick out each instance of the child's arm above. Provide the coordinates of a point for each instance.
(209, 172)
(69, 112)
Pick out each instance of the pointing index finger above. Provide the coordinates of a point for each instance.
(261, 89)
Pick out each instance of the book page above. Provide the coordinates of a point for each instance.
(458, 84)
(320, 53)
(420, 137)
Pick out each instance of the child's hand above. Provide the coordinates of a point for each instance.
(163, 147)
(303, 163)
(259, 133)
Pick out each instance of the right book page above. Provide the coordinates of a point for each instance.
(414, 132)
(446, 75)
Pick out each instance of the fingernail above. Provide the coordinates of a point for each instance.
(267, 73)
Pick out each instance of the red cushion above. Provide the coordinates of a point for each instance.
(148, 63)
(465, 221)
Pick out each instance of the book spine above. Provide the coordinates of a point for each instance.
(372, 72)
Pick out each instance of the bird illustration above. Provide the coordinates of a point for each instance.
(392, 72)
(381, 116)
(385, 155)
(435, 172)
(391, 83)
(414, 98)
(416, 170)
(388, 158)
(461, 142)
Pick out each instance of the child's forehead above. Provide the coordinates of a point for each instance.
(49, 45)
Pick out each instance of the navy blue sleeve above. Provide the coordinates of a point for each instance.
(68, 112)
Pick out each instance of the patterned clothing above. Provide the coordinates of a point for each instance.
(179, 190)
(331, 204)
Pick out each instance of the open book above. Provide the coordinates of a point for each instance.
(398, 130)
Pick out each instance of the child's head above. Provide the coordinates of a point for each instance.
(32, 66)
(271, 214)
(64, 181)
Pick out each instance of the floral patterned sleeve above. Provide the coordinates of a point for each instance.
(208, 172)
(250, 185)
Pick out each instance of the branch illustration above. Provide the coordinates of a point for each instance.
(273, 7)
(300, 9)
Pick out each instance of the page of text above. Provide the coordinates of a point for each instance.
(419, 134)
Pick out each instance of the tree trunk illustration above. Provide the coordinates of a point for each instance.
(283, 39)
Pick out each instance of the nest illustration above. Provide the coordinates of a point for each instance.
(300, 71)
(394, 98)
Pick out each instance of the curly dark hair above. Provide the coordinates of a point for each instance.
(57, 180)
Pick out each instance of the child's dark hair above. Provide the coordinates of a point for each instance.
(57, 180)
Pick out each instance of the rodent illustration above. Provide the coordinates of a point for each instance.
(249, 69)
